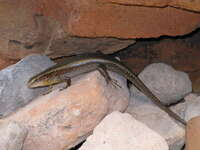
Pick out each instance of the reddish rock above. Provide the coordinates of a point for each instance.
(89, 18)
(24, 31)
(190, 5)
(60, 119)
(6, 62)
(193, 134)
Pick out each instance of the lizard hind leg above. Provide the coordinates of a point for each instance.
(104, 73)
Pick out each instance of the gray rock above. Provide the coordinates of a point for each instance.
(192, 106)
(166, 83)
(119, 131)
(159, 121)
(12, 136)
(13, 90)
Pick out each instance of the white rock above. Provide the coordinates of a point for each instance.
(120, 131)
(166, 83)
(159, 121)
(12, 136)
(192, 106)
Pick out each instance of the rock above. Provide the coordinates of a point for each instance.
(6, 62)
(190, 5)
(117, 20)
(13, 90)
(119, 131)
(193, 134)
(192, 106)
(62, 119)
(166, 83)
(74, 45)
(157, 120)
(24, 31)
(19, 27)
(179, 109)
(12, 136)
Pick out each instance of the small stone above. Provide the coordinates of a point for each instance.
(64, 118)
(119, 131)
(167, 84)
(12, 136)
(192, 106)
(14, 92)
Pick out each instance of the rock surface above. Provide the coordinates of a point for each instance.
(13, 90)
(119, 131)
(24, 31)
(71, 113)
(159, 121)
(89, 18)
(192, 106)
(193, 134)
(190, 5)
(166, 83)
(12, 136)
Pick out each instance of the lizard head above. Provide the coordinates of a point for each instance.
(43, 80)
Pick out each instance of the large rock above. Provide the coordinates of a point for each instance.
(14, 92)
(168, 84)
(190, 5)
(24, 31)
(159, 121)
(89, 18)
(62, 119)
(120, 131)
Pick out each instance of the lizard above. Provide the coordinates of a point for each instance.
(77, 65)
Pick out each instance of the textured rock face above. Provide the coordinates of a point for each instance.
(61, 119)
(119, 131)
(190, 5)
(24, 31)
(89, 18)
(12, 136)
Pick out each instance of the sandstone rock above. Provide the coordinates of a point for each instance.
(61, 119)
(74, 45)
(119, 131)
(12, 136)
(6, 62)
(25, 31)
(190, 5)
(193, 134)
(159, 121)
(166, 83)
(14, 92)
(89, 18)
(17, 26)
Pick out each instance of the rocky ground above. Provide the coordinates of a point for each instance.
(63, 118)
